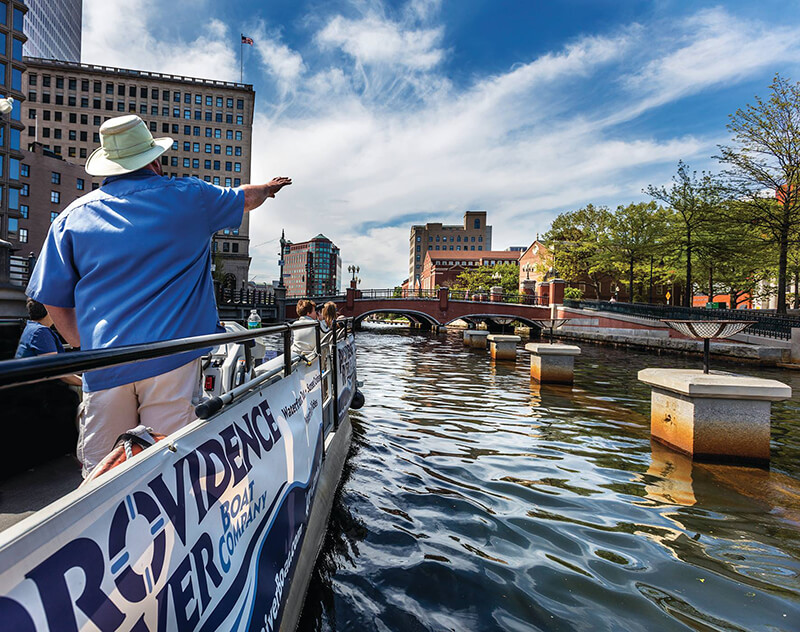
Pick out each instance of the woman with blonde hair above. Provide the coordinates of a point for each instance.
(328, 314)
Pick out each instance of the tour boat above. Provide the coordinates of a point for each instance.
(215, 527)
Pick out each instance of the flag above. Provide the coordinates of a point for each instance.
(247, 40)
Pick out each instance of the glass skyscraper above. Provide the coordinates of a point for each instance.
(53, 28)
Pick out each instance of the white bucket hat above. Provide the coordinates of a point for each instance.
(125, 145)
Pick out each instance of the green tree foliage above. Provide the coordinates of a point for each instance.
(693, 201)
(482, 278)
(765, 160)
(634, 236)
(577, 240)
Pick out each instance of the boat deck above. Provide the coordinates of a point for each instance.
(27, 493)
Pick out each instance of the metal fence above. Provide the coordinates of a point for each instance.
(767, 325)
(227, 296)
(454, 295)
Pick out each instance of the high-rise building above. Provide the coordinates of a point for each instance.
(312, 268)
(49, 184)
(53, 28)
(12, 39)
(473, 235)
(210, 121)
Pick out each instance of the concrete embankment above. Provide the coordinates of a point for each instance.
(631, 331)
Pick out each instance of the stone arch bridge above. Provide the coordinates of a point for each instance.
(428, 309)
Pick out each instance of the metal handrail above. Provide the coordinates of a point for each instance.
(37, 369)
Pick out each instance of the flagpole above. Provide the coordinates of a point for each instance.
(241, 59)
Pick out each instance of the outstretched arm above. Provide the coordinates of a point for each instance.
(256, 194)
(66, 323)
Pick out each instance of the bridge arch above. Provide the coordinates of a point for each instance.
(480, 317)
(412, 314)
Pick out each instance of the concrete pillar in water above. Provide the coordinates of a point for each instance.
(503, 347)
(475, 338)
(795, 349)
(713, 416)
(552, 363)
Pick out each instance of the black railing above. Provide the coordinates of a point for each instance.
(453, 295)
(256, 298)
(767, 325)
(505, 297)
(37, 369)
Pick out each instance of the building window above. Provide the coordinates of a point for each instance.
(24, 170)
(237, 167)
(176, 97)
(55, 197)
(237, 182)
(208, 148)
(226, 247)
(237, 151)
(13, 225)
(240, 104)
(187, 146)
(53, 215)
(82, 151)
(239, 119)
(55, 177)
(79, 184)
(186, 163)
(24, 211)
(23, 235)
(238, 135)
(480, 247)
(228, 150)
(217, 149)
(208, 132)
(187, 130)
(207, 165)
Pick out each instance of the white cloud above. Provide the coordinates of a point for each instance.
(366, 122)
(122, 33)
(376, 40)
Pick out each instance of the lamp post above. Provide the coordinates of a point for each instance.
(280, 257)
(6, 105)
(353, 270)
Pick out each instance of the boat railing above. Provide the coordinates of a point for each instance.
(23, 371)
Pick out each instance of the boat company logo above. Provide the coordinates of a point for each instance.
(204, 537)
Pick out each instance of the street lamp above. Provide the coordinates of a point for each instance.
(353, 270)
(527, 269)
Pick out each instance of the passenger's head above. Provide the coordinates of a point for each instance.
(306, 307)
(329, 312)
(36, 311)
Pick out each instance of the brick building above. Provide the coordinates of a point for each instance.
(210, 121)
(49, 184)
(473, 235)
(12, 39)
(312, 268)
(442, 268)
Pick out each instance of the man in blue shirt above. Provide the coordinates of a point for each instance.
(130, 263)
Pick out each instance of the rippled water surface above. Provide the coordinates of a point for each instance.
(477, 500)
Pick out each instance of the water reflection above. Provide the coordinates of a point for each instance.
(477, 500)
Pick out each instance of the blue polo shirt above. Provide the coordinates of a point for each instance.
(133, 258)
(36, 340)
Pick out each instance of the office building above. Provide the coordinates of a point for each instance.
(312, 268)
(441, 269)
(49, 185)
(473, 235)
(12, 39)
(210, 121)
(53, 28)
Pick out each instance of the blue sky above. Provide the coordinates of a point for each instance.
(392, 113)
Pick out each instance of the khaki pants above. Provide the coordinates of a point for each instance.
(164, 403)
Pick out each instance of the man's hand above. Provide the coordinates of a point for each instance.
(256, 194)
(276, 184)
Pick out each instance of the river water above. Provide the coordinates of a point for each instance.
(477, 500)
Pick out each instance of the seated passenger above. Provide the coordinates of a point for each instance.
(328, 315)
(38, 339)
(304, 341)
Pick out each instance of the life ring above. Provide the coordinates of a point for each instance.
(127, 445)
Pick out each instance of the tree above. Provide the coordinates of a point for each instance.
(482, 278)
(633, 237)
(693, 201)
(576, 239)
(766, 156)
